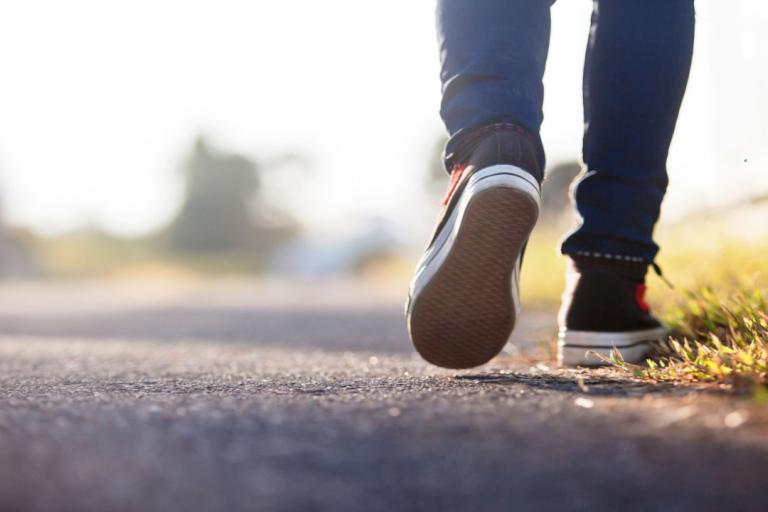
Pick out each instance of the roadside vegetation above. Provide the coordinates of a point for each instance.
(718, 312)
(714, 339)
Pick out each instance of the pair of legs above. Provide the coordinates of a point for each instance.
(464, 298)
(493, 54)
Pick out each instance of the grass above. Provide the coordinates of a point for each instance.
(714, 339)
(719, 320)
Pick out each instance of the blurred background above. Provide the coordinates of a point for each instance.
(182, 140)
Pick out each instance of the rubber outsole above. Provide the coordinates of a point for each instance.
(465, 314)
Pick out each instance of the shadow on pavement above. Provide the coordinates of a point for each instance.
(593, 384)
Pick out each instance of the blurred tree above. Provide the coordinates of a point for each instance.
(555, 191)
(16, 258)
(219, 212)
(436, 177)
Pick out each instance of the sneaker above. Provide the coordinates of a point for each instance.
(464, 297)
(604, 309)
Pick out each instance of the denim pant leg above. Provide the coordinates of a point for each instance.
(493, 54)
(638, 59)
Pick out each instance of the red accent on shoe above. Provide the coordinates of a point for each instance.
(640, 297)
(456, 174)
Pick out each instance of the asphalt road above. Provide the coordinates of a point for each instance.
(307, 397)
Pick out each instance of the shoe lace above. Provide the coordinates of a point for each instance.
(657, 270)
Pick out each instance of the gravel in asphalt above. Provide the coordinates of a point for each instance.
(304, 396)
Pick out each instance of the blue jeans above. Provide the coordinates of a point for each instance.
(493, 54)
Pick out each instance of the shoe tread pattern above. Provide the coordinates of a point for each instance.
(465, 315)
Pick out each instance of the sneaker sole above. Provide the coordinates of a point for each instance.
(467, 305)
(584, 348)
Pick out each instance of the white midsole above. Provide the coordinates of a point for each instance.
(609, 339)
(509, 176)
(573, 356)
(584, 348)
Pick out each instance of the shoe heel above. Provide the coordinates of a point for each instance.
(465, 313)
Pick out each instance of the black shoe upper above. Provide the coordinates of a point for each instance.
(499, 144)
(605, 295)
(492, 145)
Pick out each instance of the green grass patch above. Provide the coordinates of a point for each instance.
(714, 339)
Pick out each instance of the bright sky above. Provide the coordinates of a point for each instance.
(99, 100)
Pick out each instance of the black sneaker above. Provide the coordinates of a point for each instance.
(604, 309)
(464, 297)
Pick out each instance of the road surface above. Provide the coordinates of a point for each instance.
(306, 396)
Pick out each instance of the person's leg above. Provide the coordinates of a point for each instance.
(635, 75)
(463, 301)
(492, 54)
